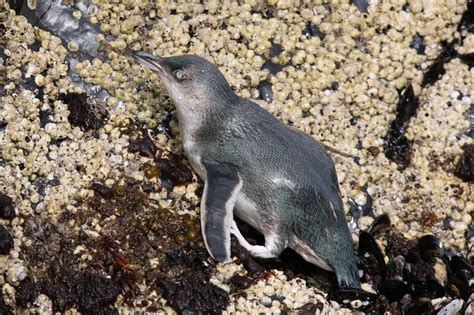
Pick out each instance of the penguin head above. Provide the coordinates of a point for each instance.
(192, 82)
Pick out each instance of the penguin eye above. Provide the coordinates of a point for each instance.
(179, 75)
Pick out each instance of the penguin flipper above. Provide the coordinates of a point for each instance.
(221, 188)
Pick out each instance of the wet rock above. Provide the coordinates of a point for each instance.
(465, 166)
(397, 147)
(172, 169)
(275, 50)
(7, 210)
(436, 70)
(418, 44)
(84, 111)
(468, 59)
(362, 5)
(273, 67)
(45, 118)
(266, 92)
(467, 19)
(26, 292)
(312, 30)
(6, 241)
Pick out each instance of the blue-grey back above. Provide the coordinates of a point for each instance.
(265, 150)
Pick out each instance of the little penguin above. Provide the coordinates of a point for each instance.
(273, 177)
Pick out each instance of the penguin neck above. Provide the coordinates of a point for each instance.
(193, 116)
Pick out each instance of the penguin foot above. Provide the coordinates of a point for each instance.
(267, 251)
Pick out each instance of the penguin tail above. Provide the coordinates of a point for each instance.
(347, 275)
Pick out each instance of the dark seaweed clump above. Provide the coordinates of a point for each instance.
(91, 292)
(4, 309)
(85, 112)
(397, 146)
(26, 292)
(189, 290)
(55, 272)
(6, 241)
(141, 141)
(120, 254)
(465, 166)
(7, 210)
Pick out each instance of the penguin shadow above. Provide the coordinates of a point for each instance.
(289, 262)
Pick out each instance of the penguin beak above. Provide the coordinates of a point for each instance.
(150, 61)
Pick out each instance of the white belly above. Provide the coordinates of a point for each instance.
(194, 157)
(246, 210)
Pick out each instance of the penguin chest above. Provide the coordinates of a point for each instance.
(194, 157)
